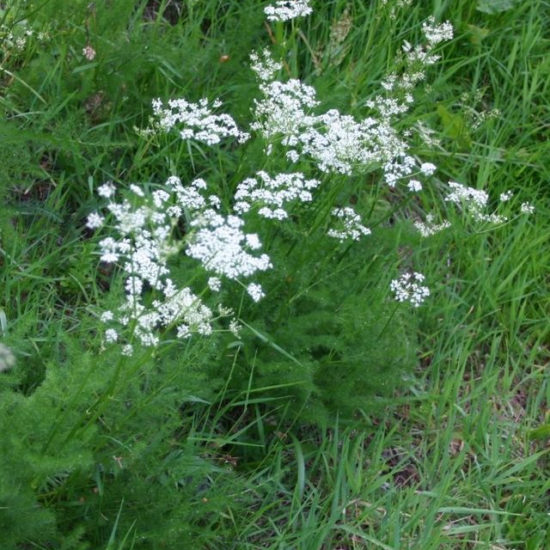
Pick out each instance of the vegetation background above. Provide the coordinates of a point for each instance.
(377, 427)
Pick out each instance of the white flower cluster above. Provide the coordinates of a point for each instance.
(14, 38)
(223, 248)
(142, 236)
(337, 142)
(273, 193)
(426, 169)
(429, 228)
(264, 65)
(285, 109)
(460, 194)
(196, 121)
(350, 226)
(255, 291)
(408, 288)
(7, 359)
(437, 33)
(284, 10)
(527, 208)
(506, 196)
(473, 202)
(417, 59)
(142, 247)
(144, 243)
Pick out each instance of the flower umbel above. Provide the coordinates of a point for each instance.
(408, 288)
(429, 227)
(284, 10)
(336, 142)
(271, 194)
(195, 121)
(349, 225)
(142, 241)
(473, 202)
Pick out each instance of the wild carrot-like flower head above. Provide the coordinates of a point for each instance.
(409, 288)
(284, 10)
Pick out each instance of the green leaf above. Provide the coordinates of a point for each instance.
(542, 432)
(495, 6)
(454, 126)
(477, 34)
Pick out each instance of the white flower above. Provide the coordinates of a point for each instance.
(427, 168)
(467, 196)
(284, 109)
(408, 288)
(284, 10)
(265, 68)
(253, 241)
(109, 250)
(160, 197)
(255, 291)
(7, 359)
(183, 332)
(220, 244)
(527, 208)
(414, 185)
(136, 190)
(127, 350)
(111, 335)
(106, 316)
(215, 284)
(272, 193)
(272, 214)
(106, 190)
(204, 329)
(430, 228)
(187, 217)
(235, 328)
(225, 311)
(350, 226)
(196, 121)
(292, 156)
(472, 201)
(94, 221)
(336, 142)
(437, 33)
(143, 245)
(506, 196)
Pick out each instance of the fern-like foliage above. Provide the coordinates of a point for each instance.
(330, 336)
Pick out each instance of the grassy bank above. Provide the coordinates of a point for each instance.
(327, 415)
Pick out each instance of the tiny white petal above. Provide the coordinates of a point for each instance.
(255, 291)
(94, 221)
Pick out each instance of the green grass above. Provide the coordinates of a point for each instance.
(223, 444)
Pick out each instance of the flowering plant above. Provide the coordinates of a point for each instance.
(289, 120)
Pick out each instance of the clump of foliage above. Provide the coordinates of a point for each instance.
(212, 307)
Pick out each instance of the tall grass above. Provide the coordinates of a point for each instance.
(339, 418)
